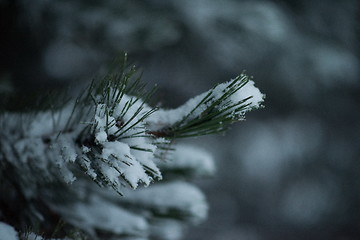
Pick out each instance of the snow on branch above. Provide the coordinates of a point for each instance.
(112, 135)
(97, 214)
(189, 161)
(177, 199)
(7, 232)
(210, 112)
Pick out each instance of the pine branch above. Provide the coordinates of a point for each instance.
(109, 135)
(211, 112)
(114, 137)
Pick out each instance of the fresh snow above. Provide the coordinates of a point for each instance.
(99, 214)
(166, 197)
(168, 117)
(126, 160)
(187, 157)
(43, 150)
(33, 236)
(7, 232)
(53, 153)
(248, 90)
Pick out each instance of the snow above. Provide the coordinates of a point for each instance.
(48, 122)
(129, 161)
(191, 158)
(41, 147)
(33, 236)
(130, 158)
(101, 137)
(136, 173)
(99, 214)
(85, 149)
(89, 170)
(145, 158)
(163, 117)
(123, 156)
(133, 172)
(115, 148)
(182, 197)
(68, 151)
(109, 173)
(248, 90)
(100, 122)
(7, 232)
(114, 162)
(29, 148)
(132, 105)
(67, 175)
(42, 125)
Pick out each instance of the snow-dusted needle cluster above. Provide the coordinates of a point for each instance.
(111, 136)
(114, 137)
(212, 111)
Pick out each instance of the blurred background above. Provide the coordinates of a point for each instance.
(291, 170)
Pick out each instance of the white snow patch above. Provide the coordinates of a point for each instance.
(7, 232)
(85, 149)
(136, 173)
(101, 137)
(165, 117)
(192, 158)
(68, 149)
(183, 197)
(248, 90)
(33, 236)
(109, 172)
(103, 215)
(133, 172)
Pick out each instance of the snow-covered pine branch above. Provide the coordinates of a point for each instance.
(112, 136)
(210, 112)
(109, 135)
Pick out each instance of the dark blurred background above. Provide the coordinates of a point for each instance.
(292, 170)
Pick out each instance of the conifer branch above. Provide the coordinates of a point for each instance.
(211, 112)
(109, 135)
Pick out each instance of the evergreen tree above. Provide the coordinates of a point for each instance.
(69, 169)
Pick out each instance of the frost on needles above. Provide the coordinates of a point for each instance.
(111, 136)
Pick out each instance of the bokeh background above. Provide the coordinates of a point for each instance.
(292, 169)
